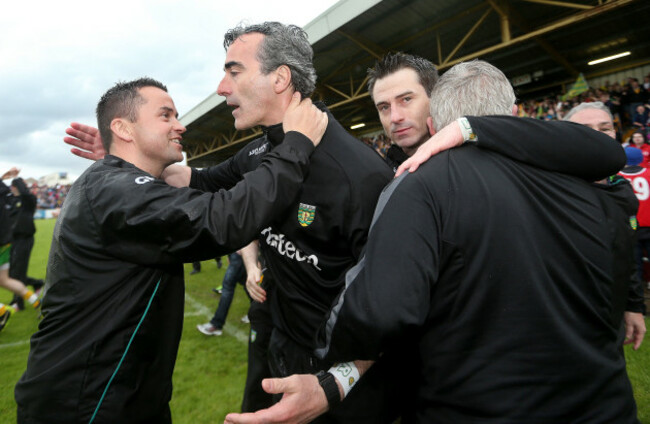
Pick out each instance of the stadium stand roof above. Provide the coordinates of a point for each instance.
(541, 45)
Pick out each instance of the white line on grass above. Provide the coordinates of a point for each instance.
(14, 344)
(200, 309)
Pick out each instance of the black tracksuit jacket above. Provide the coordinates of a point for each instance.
(308, 248)
(26, 205)
(510, 290)
(117, 251)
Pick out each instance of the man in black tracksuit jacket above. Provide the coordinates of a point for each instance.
(113, 309)
(456, 296)
(310, 246)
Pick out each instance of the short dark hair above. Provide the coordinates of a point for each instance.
(282, 45)
(121, 101)
(393, 62)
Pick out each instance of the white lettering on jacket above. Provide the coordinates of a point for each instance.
(144, 180)
(258, 150)
(288, 249)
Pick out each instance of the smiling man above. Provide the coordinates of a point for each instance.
(113, 309)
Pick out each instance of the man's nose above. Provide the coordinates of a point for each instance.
(224, 88)
(396, 114)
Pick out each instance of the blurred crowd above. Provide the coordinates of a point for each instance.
(628, 101)
(379, 142)
(49, 197)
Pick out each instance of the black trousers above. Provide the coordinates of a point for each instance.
(21, 250)
(255, 398)
(374, 399)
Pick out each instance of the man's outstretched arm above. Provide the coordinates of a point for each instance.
(549, 145)
(303, 399)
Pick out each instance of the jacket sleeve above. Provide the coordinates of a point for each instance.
(226, 174)
(558, 146)
(214, 178)
(635, 299)
(619, 219)
(153, 223)
(385, 298)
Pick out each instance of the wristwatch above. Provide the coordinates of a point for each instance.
(331, 389)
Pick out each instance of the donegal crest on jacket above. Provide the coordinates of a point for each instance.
(306, 214)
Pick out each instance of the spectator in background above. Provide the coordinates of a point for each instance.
(50, 197)
(613, 104)
(23, 239)
(235, 273)
(640, 119)
(637, 139)
(196, 266)
(639, 178)
(7, 222)
(633, 95)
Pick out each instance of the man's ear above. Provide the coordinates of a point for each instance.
(432, 131)
(515, 110)
(122, 129)
(282, 79)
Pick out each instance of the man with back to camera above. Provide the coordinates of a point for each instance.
(238, 94)
(113, 308)
(497, 342)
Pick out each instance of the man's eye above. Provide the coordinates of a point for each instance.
(382, 108)
(406, 99)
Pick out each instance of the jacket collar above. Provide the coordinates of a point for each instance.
(275, 133)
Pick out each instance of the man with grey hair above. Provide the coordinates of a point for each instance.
(588, 105)
(512, 306)
(597, 116)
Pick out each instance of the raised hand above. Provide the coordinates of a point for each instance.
(87, 139)
(12, 173)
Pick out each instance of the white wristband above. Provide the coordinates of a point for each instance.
(347, 374)
(466, 130)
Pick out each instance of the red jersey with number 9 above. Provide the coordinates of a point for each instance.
(639, 178)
